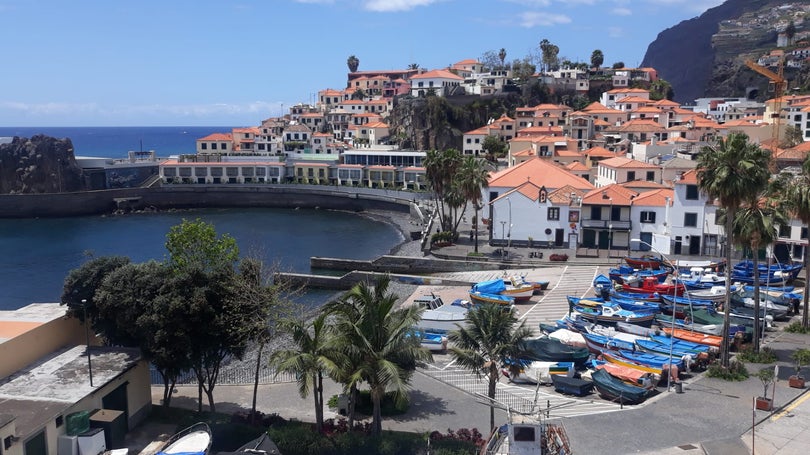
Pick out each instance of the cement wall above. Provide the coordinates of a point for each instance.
(200, 196)
(404, 264)
(350, 279)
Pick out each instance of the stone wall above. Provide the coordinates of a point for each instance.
(403, 264)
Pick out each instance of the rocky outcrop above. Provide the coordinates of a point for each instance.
(687, 54)
(41, 164)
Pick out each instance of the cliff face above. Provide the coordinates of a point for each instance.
(687, 54)
(41, 164)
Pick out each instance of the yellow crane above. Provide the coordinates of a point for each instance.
(779, 83)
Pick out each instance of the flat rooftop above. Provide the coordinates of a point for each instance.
(17, 322)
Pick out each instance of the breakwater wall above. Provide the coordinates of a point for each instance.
(350, 279)
(203, 196)
(405, 264)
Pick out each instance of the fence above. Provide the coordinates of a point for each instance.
(241, 375)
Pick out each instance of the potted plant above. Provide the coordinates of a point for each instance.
(767, 375)
(801, 358)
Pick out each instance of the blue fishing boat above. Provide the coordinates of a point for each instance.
(611, 313)
(628, 275)
(685, 345)
(599, 343)
(647, 296)
(654, 361)
(654, 347)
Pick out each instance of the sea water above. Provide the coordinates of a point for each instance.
(37, 254)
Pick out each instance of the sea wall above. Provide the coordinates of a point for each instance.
(202, 196)
(350, 279)
(404, 264)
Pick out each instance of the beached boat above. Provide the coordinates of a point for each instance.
(599, 343)
(611, 313)
(695, 337)
(645, 296)
(440, 317)
(551, 350)
(537, 372)
(677, 350)
(652, 360)
(194, 440)
(628, 275)
(262, 445)
(497, 299)
(651, 286)
(614, 389)
(485, 291)
(631, 375)
(537, 286)
(646, 262)
(568, 337)
(528, 437)
(435, 342)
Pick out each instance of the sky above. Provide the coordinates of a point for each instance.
(235, 63)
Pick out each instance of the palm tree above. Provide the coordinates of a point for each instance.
(757, 224)
(440, 169)
(473, 177)
(597, 58)
(732, 171)
(353, 62)
(490, 337)
(381, 337)
(797, 198)
(502, 55)
(312, 357)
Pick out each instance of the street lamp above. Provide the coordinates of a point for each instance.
(610, 227)
(503, 235)
(509, 236)
(87, 340)
(671, 335)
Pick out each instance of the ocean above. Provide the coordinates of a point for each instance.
(39, 253)
(115, 142)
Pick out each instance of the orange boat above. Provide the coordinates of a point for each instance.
(695, 337)
(631, 375)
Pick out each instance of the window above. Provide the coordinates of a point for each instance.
(692, 192)
(553, 213)
(203, 146)
(803, 235)
(784, 230)
(213, 146)
(223, 146)
(631, 175)
(647, 217)
(650, 176)
(690, 219)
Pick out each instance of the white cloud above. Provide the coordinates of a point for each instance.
(531, 19)
(387, 6)
(620, 11)
(615, 32)
(531, 3)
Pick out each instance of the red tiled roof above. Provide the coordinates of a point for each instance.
(622, 162)
(217, 137)
(541, 172)
(612, 194)
(655, 198)
(438, 74)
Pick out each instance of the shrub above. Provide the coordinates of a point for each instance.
(796, 327)
(444, 238)
(765, 355)
(558, 257)
(735, 372)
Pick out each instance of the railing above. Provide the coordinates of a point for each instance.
(605, 224)
(241, 375)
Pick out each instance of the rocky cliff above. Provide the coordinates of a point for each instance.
(41, 164)
(704, 56)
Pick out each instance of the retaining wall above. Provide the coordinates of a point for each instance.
(350, 279)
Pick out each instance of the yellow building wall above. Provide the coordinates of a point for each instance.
(24, 349)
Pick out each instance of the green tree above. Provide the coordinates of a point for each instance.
(549, 51)
(502, 56)
(523, 69)
(382, 338)
(413, 66)
(618, 65)
(597, 58)
(797, 200)
(309, 360)
(732, 171)
(472, 178)
(793, 137)
(491, 337)
(79, 291)
(359, 94)
(194, 245)
(353, 63)
(790, 32)
(440, 170)
(493, 148)
(660, 90)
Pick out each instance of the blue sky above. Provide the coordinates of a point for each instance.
(206, 62)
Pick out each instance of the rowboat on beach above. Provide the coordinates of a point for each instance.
(194, 440)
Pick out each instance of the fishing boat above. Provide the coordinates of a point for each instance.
(568, 337)
(485, 291)
(538, 286)
(603, 286)
(654, 361)
(520, 290)
(636, 305)
(599, 343)
(537, 372)
(440, 317)
(552, 350)
(709, 329)
(262, 445)
(194, 440)
(637, 330)
(614, 389)
(611, 313)
(435, 342)
(787, 271)
(650, 285)
(714, 293)
(630, 375)
(628, 275)
(645, 296)
(527, 436)
(703, 276)
(646, 262)
(695, 337)
(654, 347)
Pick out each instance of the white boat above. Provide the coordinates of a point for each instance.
(538, 372)
(527, 436)
(703, 276)
(714, 293)
(440, 317)
(435, 342)
(194, 440)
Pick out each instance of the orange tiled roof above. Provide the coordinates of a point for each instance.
(563, 195)
(633, 99)
(599, 151)
(621, 162)
(576, 166)
(543, 172)
(688, 178)
(217, 137)
(437, 74)
(642, 184)
(642, 125)
(655, 198)
(612, 194)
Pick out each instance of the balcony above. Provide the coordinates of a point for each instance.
(618, 225)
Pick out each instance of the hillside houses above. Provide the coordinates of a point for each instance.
(593, 178)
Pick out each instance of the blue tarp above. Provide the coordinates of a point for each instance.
(490, 287)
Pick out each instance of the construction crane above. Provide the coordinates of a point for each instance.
(779, 84)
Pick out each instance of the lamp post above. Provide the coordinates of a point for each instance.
(509, 235)
(503, 235)
(87, 340)
(610, 227)
(671, 335)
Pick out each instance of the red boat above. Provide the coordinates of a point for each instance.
(647, 262)
(650, 284)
